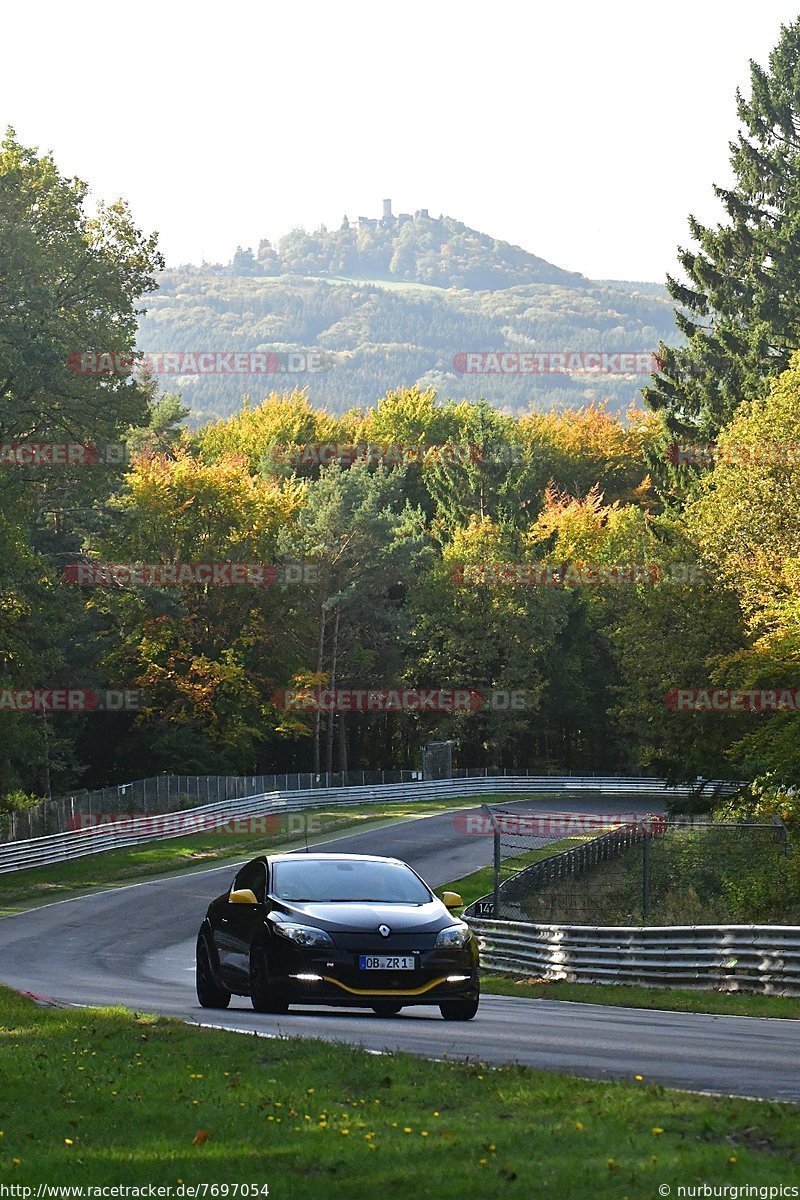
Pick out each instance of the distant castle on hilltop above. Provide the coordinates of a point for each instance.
(387, 220)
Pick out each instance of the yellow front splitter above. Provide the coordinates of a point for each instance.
(426, 987)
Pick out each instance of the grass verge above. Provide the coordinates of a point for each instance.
(480, 883)
(737, 1004)
(107, 1097)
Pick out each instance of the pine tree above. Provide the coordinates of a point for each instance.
(740, 309)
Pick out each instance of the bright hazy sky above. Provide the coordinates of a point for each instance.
(583, 131)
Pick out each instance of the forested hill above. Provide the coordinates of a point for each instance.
(414, 249)
(392, 304)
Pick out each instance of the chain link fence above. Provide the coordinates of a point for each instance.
(621, 870)
(172, 793)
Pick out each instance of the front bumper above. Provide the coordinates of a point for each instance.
(333, 976)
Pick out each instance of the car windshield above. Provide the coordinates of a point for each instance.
(339, 880)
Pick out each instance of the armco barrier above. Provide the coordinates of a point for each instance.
(61, 847)
(173, 793)
(753, 958)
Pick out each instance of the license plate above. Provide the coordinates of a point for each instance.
(386, 962)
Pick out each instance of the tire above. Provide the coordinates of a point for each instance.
(387, 1009)
(209, 995)
(263, 996)
(459, 1010)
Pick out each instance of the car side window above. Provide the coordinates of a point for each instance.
(254, 877)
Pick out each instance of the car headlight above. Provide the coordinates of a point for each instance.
(302, 935)
(453, 936)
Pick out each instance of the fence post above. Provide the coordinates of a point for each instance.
(645, 875)
(495, 858)
(781, 834)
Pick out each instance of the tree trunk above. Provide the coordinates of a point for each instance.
(342, 731)
(320, 656)
(332, 712)
(46, 765)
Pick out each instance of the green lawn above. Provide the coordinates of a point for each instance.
(106, 1097)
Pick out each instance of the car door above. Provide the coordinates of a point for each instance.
(239, 924)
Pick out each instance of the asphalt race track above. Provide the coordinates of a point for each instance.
(135, 946)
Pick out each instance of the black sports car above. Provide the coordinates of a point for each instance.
(340, 929)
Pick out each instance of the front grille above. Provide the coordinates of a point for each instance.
(395, 943)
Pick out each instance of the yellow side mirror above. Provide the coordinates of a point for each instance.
(451, 900)
(242, 896)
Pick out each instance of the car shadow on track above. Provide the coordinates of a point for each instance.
(415, 1013)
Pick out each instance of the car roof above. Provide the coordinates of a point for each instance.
(303, 856)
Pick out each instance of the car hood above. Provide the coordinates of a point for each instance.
(350, 916)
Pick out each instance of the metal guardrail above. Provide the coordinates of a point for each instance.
(753, 958)
(172, 793)
(62, 847)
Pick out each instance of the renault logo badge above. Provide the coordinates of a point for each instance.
(384, 930)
